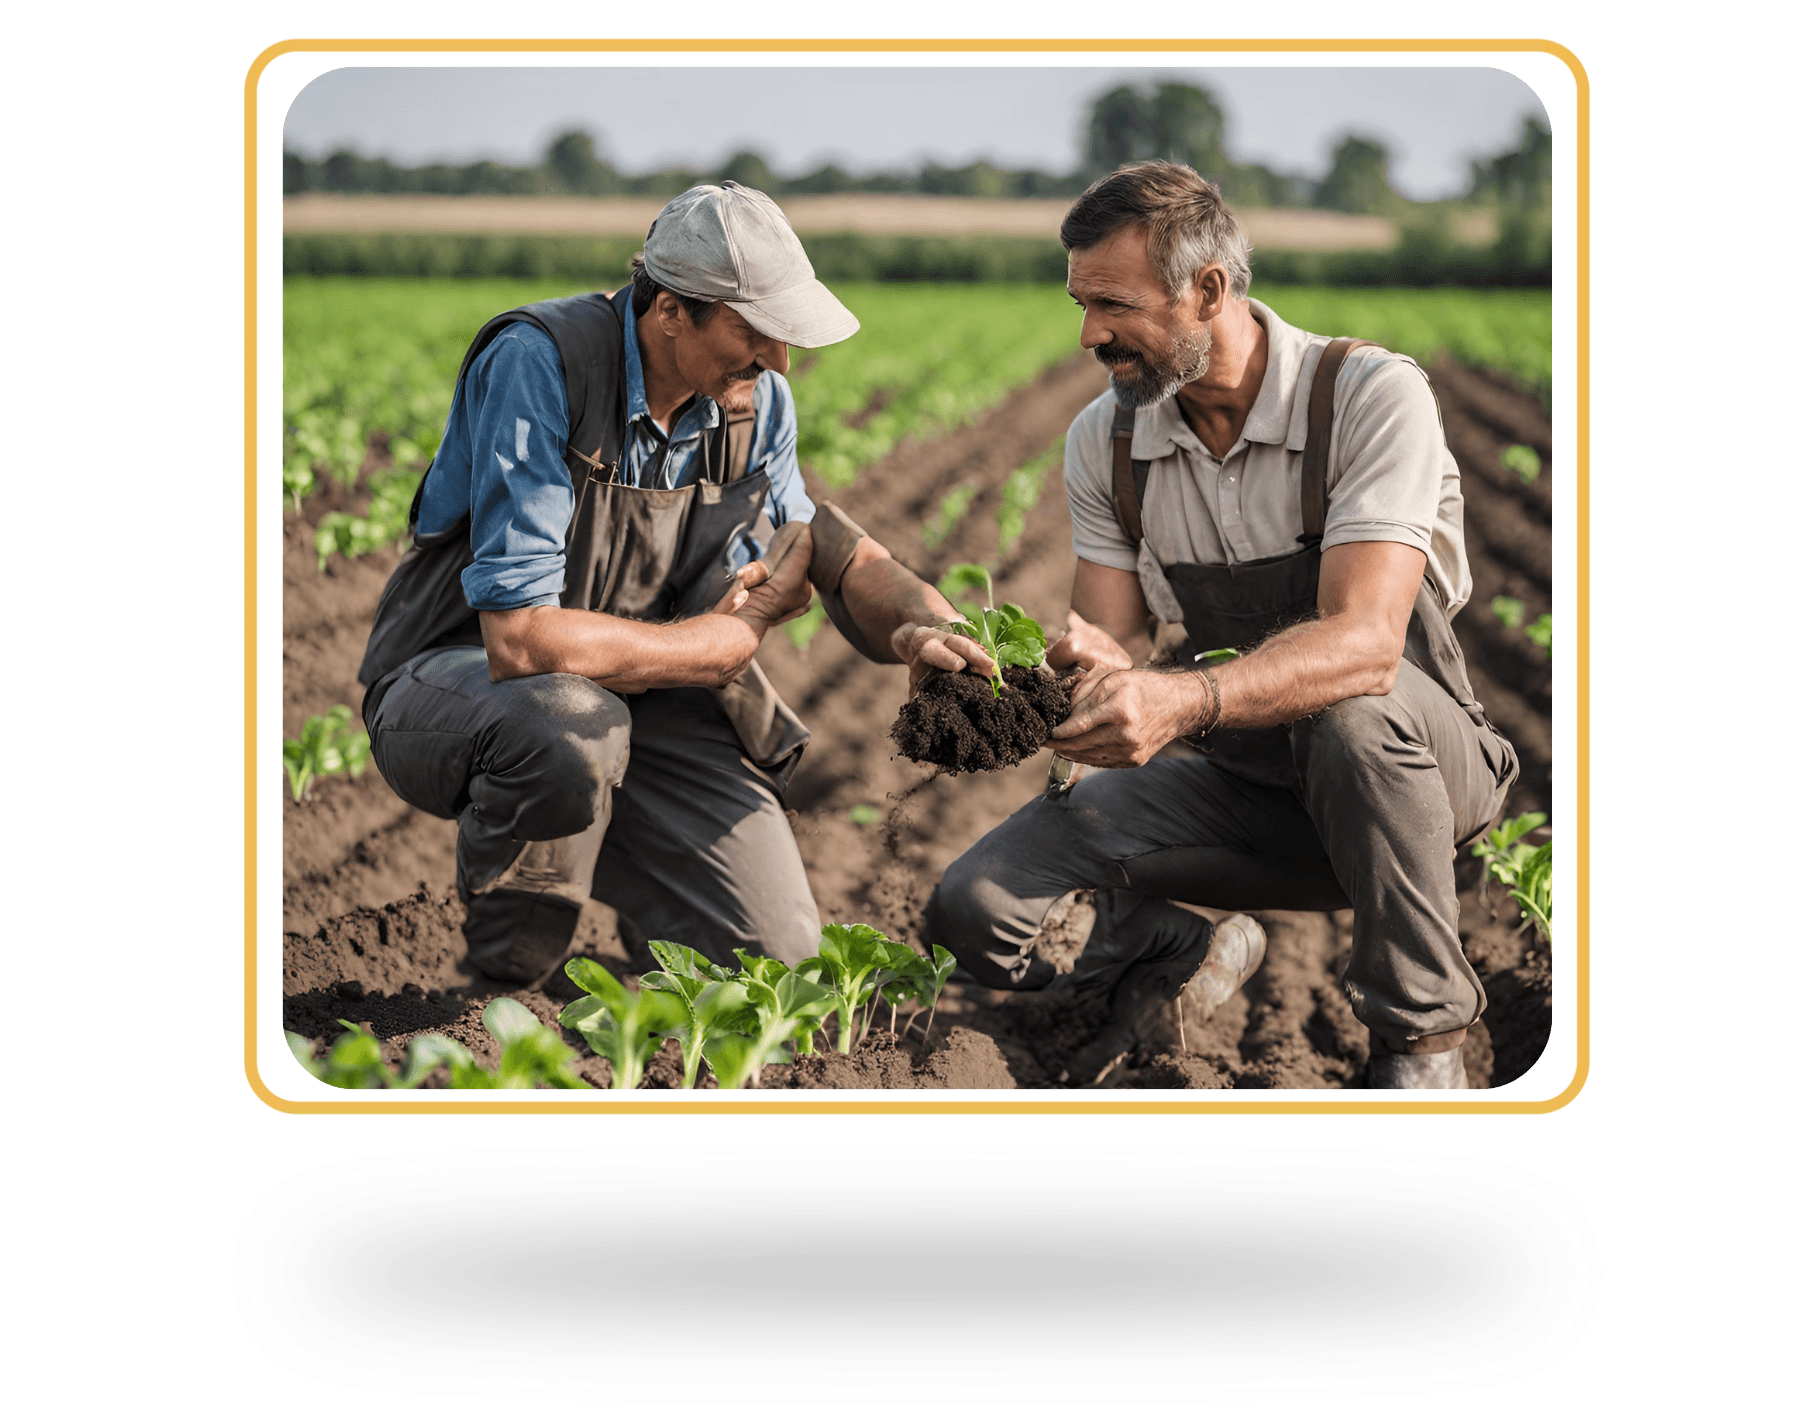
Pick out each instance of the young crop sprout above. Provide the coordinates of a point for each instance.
(1522, 459)
(1508, 609)
(531, 1056)
(1524, 869)
(325, 747)
(864, 815)
(1008, 635)
(951, 509)
(1538, 632)
(624, 1027)
(920, 979)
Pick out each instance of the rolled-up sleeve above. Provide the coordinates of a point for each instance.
(520, 498)
(1388, 455)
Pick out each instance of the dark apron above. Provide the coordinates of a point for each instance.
(648, 554)
(1239, 606)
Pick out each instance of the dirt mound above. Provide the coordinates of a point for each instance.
(373, 926)
(958, 724)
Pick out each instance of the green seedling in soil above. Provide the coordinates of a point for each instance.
(801, 628)
(787, 1006)
(390, 502)
(1524, 869)
(715, 1001)
(951, 509)
(531, 1056)
(852, 964)
(623, 1027)
(353, 1061)
(963, 580)
(864, 814)
(919, 979)
(325, 747)
(1008, 635)
(296, 480)
(1508, 609)
(1522, 459)
(1019, 494)
(1538, 632)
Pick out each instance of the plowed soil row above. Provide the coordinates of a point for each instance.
(372, 922)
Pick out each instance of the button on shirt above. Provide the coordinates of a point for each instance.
(1389, 477)
(501, 462)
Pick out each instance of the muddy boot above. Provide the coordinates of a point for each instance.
(1209, 970)
(518, 937)
(1441, 1070)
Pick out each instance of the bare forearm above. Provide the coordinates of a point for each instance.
(623, 655)
(882, 595)
(1301, 671)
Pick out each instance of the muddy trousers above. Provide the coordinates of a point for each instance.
(562, 790)
(1384, 789)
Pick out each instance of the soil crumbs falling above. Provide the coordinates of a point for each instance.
(958, 724)
(373, 925)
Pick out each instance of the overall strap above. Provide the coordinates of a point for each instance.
(739, 430)
(1320, 411)
(1127, 489)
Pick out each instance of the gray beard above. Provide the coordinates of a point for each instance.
(1155, 381)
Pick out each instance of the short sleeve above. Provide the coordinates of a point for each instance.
(1087, 478)
(774, 449)
(1387, 455)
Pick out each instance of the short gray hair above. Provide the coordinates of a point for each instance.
(1185, 217)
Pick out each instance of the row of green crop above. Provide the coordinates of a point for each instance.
(733, 1023)
(1424, 258)
(368, 356)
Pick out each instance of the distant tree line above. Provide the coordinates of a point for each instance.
(1171, 121)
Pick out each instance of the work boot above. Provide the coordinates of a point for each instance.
(518, 938)
(1441, 1070)
(1206, 975)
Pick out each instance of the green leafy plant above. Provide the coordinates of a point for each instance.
(390, 503)
(853, 963)
(1008, 635)
(788, 1005)
(917, 978)
(531, 1056)
(1019, 494)
(715, 1002)
(1523, 869)
(951, 509)
(1538, 632)
(325, 747)
(1522, 459)
(623, 1026)
(1509, 610)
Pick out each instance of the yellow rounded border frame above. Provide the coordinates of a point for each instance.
(1016, 1105)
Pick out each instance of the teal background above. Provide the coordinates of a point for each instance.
(141, 1148)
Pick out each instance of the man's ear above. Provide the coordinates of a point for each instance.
(1211, 287)
(669, 313)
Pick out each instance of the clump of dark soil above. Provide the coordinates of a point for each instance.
(957, 723)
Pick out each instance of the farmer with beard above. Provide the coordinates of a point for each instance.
(564, 661)
(1246, 486)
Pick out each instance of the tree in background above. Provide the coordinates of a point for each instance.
(1357, 182)
(1519, 177)
(748, 168)
(572, 163)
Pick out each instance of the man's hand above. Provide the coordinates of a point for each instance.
(774, 589)
(930, 648)
(1124, 716)
(1087, 647)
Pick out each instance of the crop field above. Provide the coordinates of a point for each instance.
(938, 429)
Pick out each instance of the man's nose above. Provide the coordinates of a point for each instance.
(1093, 334)
(773, 357)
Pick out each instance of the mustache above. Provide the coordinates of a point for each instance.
(1112, 354)
(749, 373)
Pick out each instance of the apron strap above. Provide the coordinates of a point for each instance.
(1320, 411)
(1127, 492)
(739, 430)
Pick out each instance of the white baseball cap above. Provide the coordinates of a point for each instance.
(731, 244)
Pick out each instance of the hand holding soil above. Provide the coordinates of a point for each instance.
(1124, 716)
(931, 649)
(955, 721)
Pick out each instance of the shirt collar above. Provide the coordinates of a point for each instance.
(1275, 418)
(704, 413)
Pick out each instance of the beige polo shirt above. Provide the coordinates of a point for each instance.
(1389, 477)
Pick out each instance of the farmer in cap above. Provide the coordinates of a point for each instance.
(1246, 486)
(564, 662)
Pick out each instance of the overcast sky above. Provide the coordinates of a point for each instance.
(1433, 120)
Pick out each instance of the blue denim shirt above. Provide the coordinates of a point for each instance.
(501, 461)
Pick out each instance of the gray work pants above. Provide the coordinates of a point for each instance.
(561, 789)
(1385, 789)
